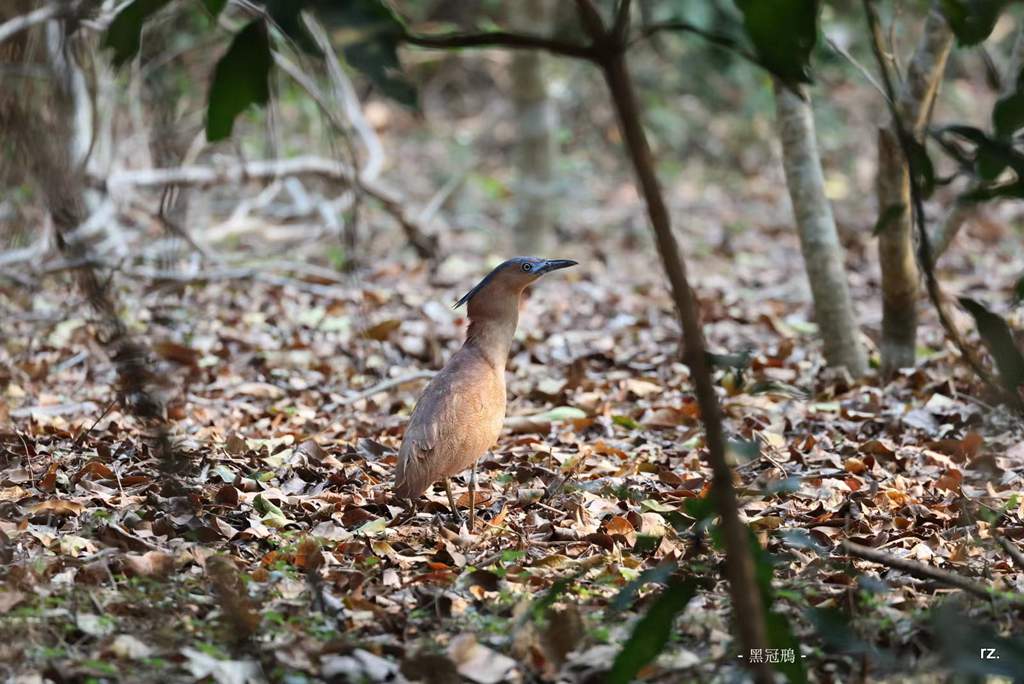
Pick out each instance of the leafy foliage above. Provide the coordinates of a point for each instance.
(972, 20)
(124, 34)
(998, 338)
(240, 79)
(784, 33)
(371, 35)
(652, 631)
(214, 7)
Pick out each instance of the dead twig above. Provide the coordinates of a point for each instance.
(922, 571)
(16, 25)
(266, 170)
(1015, 553)
(386, 385)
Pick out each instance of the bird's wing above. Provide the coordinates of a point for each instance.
(437, 417)
(444, 430)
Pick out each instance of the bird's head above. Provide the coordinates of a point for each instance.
(513, 276)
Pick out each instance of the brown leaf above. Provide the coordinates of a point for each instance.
(235, 444)
(620, 527)
(477, 662)
(238, 612)
(855, 465)
(382, 330)
(178, 353)
(959, 450)
(149, 564)
(95, 468)
(57, 507)
(10, 599)
(950, 480)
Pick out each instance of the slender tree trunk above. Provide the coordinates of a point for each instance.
(748, 606)
(536, 121)
(900, 280)
(819, 240)
(44, 129)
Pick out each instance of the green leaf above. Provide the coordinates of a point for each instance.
(700, 508)
(783, 33)
(214, 7)
(651, 632)
(922, 168)
(287, 16)
(369, 33)
(626, 422)
(1018, 292)
(780, 637)
(124, 34)
(998, 339)
(1008, 115)
(271, 515)
(240, 79)
(991, 156)
(972, 20)
(659, 574)
(888, 218)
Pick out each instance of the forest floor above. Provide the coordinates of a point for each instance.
(278, 552)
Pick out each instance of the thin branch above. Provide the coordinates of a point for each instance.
(591, 20)
(346, 93)
(964, 210)
(1015, 553)
(502, 39)
(16, 25)
(717, 39)
(924, 255)
(865, 72)
(386, 385)
(621, 24)
(923, 571)
(272, 169)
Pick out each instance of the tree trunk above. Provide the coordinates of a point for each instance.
(900, 281)
(819, 240)
(748, 605)
(536, 121)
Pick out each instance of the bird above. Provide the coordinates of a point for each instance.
(458, 417)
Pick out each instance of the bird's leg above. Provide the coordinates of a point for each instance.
(472, 498)
(451, 499)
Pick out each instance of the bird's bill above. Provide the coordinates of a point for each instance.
(555, 264)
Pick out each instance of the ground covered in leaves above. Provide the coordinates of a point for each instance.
(279, 551)
(278, 554)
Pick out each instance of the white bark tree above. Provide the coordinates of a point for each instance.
(819, 239)
(537, 124)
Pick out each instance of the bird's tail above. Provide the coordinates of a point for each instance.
(410, 481)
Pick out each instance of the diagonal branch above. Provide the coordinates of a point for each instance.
(502, 39)
(16, 25)
(271, 169)
(922, 571)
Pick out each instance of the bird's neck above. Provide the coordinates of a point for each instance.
(492, 330)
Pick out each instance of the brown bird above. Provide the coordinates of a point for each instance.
(459, 416)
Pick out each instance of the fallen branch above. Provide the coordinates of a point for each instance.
(266, 170)
(1015, 553)
(386, 385)
(16, 25)
(922, 571)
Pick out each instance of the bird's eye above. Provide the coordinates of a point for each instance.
(527, 267)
